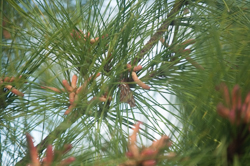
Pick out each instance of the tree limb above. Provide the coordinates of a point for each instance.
(158, 34)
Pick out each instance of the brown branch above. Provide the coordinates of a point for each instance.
(158, 34)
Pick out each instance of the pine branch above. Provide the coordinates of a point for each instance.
(74, 116)
(158, 34)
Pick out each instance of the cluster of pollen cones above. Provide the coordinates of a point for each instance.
(74, 91)
(146, 156)
(51, 156)
(236, 111)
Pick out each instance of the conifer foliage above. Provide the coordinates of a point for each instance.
(81, 77)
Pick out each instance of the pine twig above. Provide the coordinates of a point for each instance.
(158, 34)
